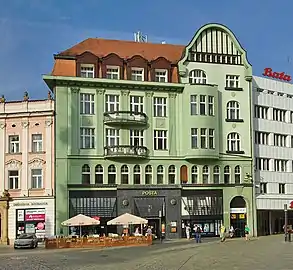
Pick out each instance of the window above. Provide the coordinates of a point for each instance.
(161, 75)
(86, 174)
(202, 105)
(194, 138)
(148, 174)
(233, 110)
(227, 174)
(261, 137)
(160, 140)
(203, 138)
(216, 175)
(99, 174)
(112, 73)
(237, 174)
(262, 164)
(13, 179)
(87, 71)
(171, 174)
(263, 188)
(136, 104)
(160, 175)
(193, 104)
(37, 178)
(194, 174)
(160, 107)
(112, 103)
(124, 175)
(112, 137)
(137, 74)
(136, 175)
(211, 105)
(279, 115)
(233, 142)
(37, 143)
(87, 104)
(282, 189)
(205, 174)
(232, 81)
(136, 137)
(112, 174)
(261, 112)
(280, 165)
(280, 140)
(87, 138)
(211, 138)
(197, 76)
(14, 144)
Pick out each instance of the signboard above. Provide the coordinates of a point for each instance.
(35, 214)
(20, 215)
(149, 193)
(291, 205)
(237, 210)
(268, 72)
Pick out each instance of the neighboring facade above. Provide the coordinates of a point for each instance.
(273, 138)
(161, 131)
(27, 167)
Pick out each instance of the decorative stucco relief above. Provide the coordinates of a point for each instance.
(13, 164)
(49, 122)
(24, 124)
(36, 163)
(2, 125)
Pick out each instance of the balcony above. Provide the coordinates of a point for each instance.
(125, 118)
(129, 151)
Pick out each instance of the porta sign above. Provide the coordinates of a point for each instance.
(268, 72)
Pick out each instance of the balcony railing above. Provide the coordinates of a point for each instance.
(125, 117)
(126, 151)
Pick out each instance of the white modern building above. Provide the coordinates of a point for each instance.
(273, 137)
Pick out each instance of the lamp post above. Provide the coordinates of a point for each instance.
(249, 178)
(286, 221)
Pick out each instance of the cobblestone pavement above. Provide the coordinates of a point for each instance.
(264, 253)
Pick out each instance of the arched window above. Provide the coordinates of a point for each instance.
(194, 174)
(197, 76)
(99, 173)
(148, 175)
(171, 174)
(86, 174)
(112, 174)
(233, 110)
(205, 174)
(216, 174)
(227, 174)
(237, 174)
(124, 175)
(160, 174)
(136, 175)
(233, 142)
(183, 174)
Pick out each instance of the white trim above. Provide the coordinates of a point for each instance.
(238, 210)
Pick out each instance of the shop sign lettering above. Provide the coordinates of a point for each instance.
(29, 203)
(149, 193)
(268, 72)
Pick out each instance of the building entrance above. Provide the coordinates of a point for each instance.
(238, 216)
(154, 223)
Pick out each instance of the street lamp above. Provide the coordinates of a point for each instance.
(286, 221)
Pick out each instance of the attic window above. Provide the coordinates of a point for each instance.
(161, 75)
(87, 71)
(112, 73)
(137, 74)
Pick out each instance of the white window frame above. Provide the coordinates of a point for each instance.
(202, 105)
(14, 144)
(216, 174)
(227, 174)
(112, 103)
(193, 105)
(137, 74)
(37, 143)
(280, 165)
(233, 110)
(113, 72)
(136, 104)
(160, 107)
(194, 138)
(211, 138)
(87, 70)
(112, 170)
(194, 174)
(233, 81)
(282, 188)
(15, 180)
(262, 164)
(261, 112)
(87, 103)
(279, 115)
(124, 173)
(205, 174)
(263, 188)
(112, 137)
(148, 174)
(160, 137)
(237, 173)
(87, 133)
(197, 76)
(261, 137)
(280, 140)
(37, 178)
(211, 105)
(233, 142)
(136, 174)
(203, 138)
(161, 75)
(86, 174)
(99, 171)
(171, 175)
(136, 137)
(160, 174)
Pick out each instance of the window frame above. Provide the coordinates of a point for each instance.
(160, 106)
(233, 109)
(38, 177)
(14, 144)
(115, 104)
(90, 136)
(87, 103)
(136, 75)
(233, 142)
(158, 76)
(160, 135)
(112, 134)
(136, 106)
(15, 180)
(197, 76)
(232, 81)
(111, 71)
(89, 69)
(37, 144)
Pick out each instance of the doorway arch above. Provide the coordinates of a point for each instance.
(238, 215)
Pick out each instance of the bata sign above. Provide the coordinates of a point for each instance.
(268, 72)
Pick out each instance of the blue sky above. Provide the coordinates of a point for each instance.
(32, 31)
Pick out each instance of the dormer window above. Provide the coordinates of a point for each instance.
(137, 74)
(87, 71)
(197, 76)
(161, 75)
(112, 73)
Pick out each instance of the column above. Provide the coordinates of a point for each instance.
(100, 133)
(2, 156)
(149, 112)
(25, 146)
(270, 223)
(124, 106)
(74, 120)
(48, 177)
(172, 124)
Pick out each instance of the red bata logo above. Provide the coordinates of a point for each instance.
(268, 72)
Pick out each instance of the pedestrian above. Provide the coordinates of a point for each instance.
(187, 231)
(198, 232)
(231, 231)
(222, 233)
(246, 231)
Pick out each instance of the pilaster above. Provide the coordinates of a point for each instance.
(49, 176)
(124, 106)
(100, 133)
(2, 155)
(172, 124)
(149, 132)
(25, 146)
(74, 120)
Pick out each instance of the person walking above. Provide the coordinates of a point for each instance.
(222, 233)
(187, 231)
(246, 231)
(198, 232)
(231, 232)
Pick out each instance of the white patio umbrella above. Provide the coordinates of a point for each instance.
(127, 219)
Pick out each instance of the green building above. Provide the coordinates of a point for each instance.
(161, 131)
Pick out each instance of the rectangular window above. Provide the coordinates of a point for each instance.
(194, 138)
(112, 73)
(37, 143)
(136, 104)
(232, 81)
(263, 188)
(261, 112)
(161, 75)
(87, 138)
(160, 140)
(203, 138)
(282, 189)
(137, 74)
(280, 140)
(136, 137)
(37, 178)
(211, 138)
(14, 144)
(262, 164)
(261, 137)
(202, 105)
(112, 137)
(13, 179)
(160, 107)
(87, 104)
(279, 115)
(280, 165)
(211, 105)
(193, 104)
(87, 71)
(112, 103)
